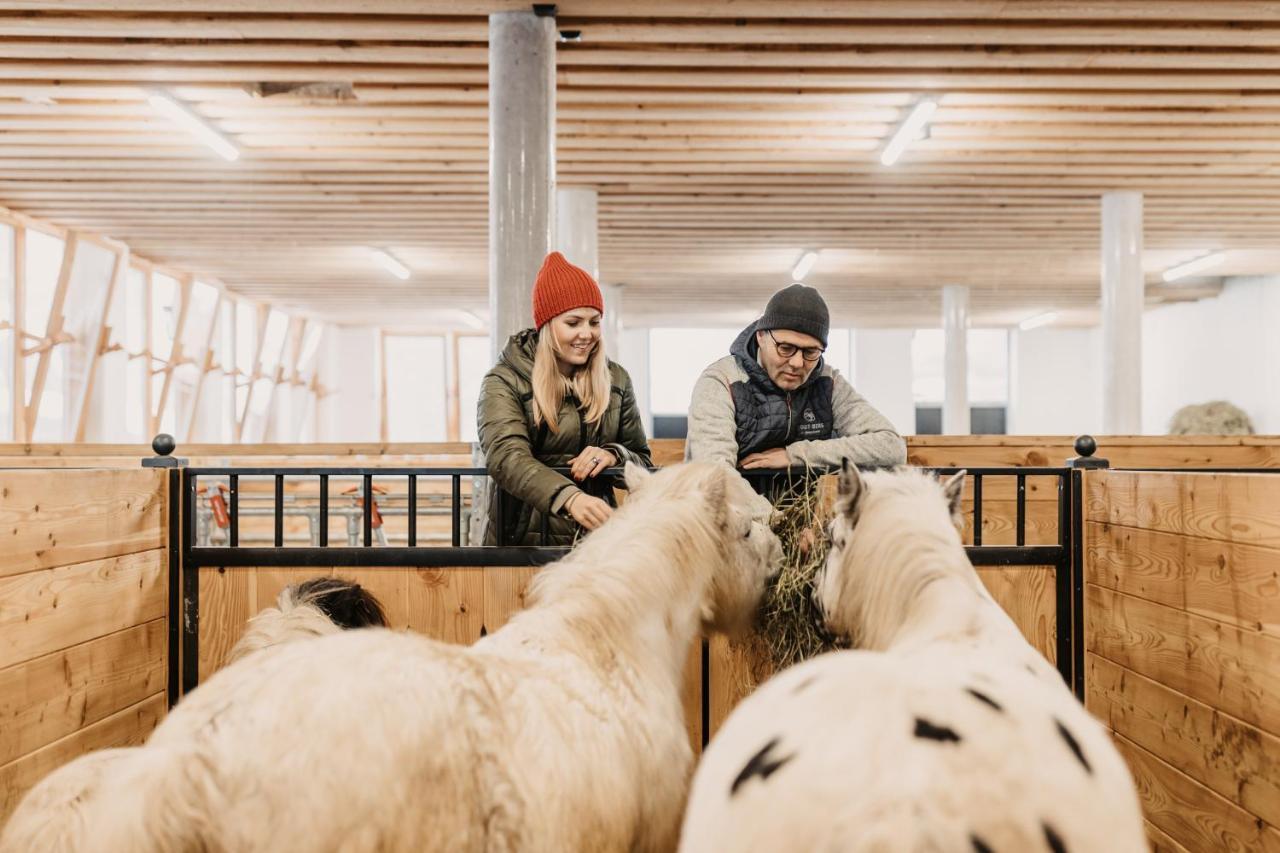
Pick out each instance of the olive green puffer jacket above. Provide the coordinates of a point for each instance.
(520, 456)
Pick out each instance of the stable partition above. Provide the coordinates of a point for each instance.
(457, 604)
(84, 631)
(1182, 631)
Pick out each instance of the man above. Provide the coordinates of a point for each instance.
(773, 402)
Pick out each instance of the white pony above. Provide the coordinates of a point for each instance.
(946, 731)
(563, 730)
(52, 816)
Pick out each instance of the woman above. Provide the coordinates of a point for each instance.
(554, 400)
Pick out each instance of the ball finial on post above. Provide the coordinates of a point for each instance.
(1086, 446)
(163, 445)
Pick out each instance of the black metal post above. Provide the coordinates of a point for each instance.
(413, 510)
(191, 591)
(1077, 580)
(174, 611)
(1022, 510)
(279, 516)
(457, 509)
(977, 509)
(324, 510)
(233, 509)
(368, 510)
(1062, 585)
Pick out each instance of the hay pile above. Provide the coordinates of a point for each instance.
(1214, 418)
(785, 632)
(786, 624)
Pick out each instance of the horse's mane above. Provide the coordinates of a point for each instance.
(904, 539)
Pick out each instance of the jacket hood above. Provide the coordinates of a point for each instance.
(519, 351)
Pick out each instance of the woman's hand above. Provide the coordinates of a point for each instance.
(591, 462)
(588, 511)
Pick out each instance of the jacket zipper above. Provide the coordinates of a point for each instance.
(788, 417)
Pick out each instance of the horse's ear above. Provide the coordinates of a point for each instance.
(953, 488)
(635, 476)
(851, 488)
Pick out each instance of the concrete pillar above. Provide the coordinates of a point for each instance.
(522, 165)
(955, 328)
(577, 238)
(1122, 301)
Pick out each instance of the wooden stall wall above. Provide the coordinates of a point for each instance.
(83, 629)
(455, 605)
(1182, 609)
(1026, 593)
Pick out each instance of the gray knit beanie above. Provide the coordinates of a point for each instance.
(798, 308)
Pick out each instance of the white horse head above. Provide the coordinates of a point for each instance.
(747, 551)
(892, 534)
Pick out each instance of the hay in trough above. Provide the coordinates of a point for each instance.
(787, 625)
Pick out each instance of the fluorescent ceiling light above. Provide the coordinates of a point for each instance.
(803, 266)
(1038, 320)
(908, 131)
(389, 263)
(1194, 266)
(182, 115)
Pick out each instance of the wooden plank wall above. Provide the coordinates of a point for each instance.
(1182, 632)
(83, 631)
(1025, 592)
(1183, 451)
(455, 605)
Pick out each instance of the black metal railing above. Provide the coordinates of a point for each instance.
(199, 486)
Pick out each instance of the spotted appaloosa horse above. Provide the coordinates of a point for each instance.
(943, 731)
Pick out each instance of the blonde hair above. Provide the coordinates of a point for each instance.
(590, 383)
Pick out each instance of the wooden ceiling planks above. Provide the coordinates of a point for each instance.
(724, 141)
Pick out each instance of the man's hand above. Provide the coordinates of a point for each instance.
(776, 458)
(591, 462)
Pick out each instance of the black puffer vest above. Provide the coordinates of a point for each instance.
(767, 416)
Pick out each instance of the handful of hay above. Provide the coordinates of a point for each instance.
(787, 625)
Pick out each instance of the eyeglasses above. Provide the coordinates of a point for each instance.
(788, 350)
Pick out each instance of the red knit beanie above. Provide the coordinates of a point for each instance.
(561, 287)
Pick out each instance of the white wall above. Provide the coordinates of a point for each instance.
(882, 374)
(1055, 381)
(1223, 348)
(633, 354)
(349, 368)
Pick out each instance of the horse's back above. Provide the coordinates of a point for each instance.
(871, 751)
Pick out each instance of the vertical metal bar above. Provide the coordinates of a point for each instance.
(413, 511)
(173, 613)
(457, 510)
(1062, 587)
(706, 695)
(977, 509)
(1022, 510)
(368, 510)
(324, 510)
(500, 534)
(190, 615)
(279, 515)
(1076, 488)
(233, 486)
